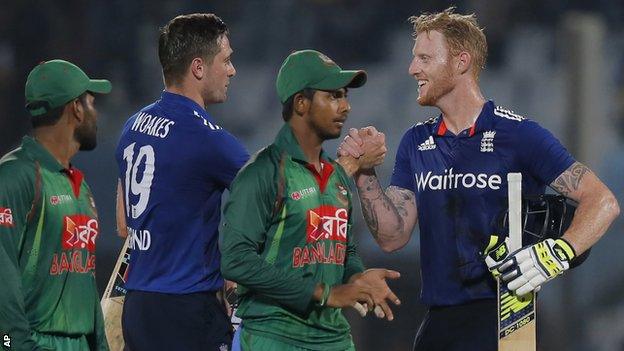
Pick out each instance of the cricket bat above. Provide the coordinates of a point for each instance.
(516, 314)
(113, 299)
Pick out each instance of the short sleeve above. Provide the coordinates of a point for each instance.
(541, 153)
(226, 156)
(402, 175)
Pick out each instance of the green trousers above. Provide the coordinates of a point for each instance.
(254, 342)
(60, 343)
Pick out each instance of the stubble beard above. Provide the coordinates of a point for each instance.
(86, 136)
(440, 87)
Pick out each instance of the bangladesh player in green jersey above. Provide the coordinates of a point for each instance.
(48, 220)
(286, 237)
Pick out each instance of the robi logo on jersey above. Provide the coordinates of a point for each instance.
(327, 222)
(79, 232)
(450, 180)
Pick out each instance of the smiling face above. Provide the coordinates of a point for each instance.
(432, 67)
(328, 113)
(218, 74)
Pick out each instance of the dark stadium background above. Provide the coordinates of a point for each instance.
(559, 62)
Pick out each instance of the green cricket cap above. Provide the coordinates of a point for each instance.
(54, 83)
(312, 69)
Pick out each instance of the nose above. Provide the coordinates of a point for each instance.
(345, 106)
(232, 71)
(414, 67)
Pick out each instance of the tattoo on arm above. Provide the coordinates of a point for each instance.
(570, 179)
(371, 193)
(385, 212)
(400, 198)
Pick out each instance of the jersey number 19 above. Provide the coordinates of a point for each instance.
(139, 188)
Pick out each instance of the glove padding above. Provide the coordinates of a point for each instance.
(533, 265)
(495, 253)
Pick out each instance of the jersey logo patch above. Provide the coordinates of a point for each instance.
(487, 142)
(6, 217)
(79, 232)
(59, 199)
(327, 222)
(303, 193)
(428, 144)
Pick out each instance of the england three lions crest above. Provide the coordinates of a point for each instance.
(487, 142)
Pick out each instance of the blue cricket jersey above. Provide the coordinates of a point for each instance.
(174, 164)
(460, 183)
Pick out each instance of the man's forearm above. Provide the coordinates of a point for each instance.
(384, 219)
(592, 218)
(596, 210)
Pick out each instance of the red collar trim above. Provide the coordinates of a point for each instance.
(323, 177)
(75, 179)
(442, 128)
(472, 129)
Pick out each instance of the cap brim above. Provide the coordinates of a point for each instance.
(100, 86)
(343, 79)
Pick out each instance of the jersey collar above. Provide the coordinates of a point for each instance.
(170, 98)
(483, 122)
(41, 154)
(285, 140)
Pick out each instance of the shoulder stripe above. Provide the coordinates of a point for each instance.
(431, 120)
(206, 122)
(505, 113)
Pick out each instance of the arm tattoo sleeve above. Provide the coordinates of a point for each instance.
(570, 179)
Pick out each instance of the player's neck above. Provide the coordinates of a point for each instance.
(60, 143)
(309, 143)
(188, 92)
(461, 107)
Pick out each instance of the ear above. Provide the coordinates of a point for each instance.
(464, 61)
(75, 111)
(301, 104)
(198, 68)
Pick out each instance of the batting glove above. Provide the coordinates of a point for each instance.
(495, 253)
(533, 265)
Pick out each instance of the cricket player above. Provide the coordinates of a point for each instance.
(48, 221)
(286, 237)
(175, 161)
(450, 178)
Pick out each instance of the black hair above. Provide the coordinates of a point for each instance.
(287, 106)
(52, 116)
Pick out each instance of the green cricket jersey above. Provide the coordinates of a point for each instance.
(48, 228)
(286, 228)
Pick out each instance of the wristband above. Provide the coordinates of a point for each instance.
(325, 295)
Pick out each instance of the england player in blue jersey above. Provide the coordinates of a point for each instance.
(450, 178)
(175, 161)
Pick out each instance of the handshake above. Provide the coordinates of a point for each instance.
(362, 150)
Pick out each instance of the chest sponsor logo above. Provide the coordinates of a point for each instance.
(326, 237)
(487, 142)
(450, 180)
(303, 193)
(59, 199)
(79, 232)
(428, 144)
(327, 222)
(6, 217)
